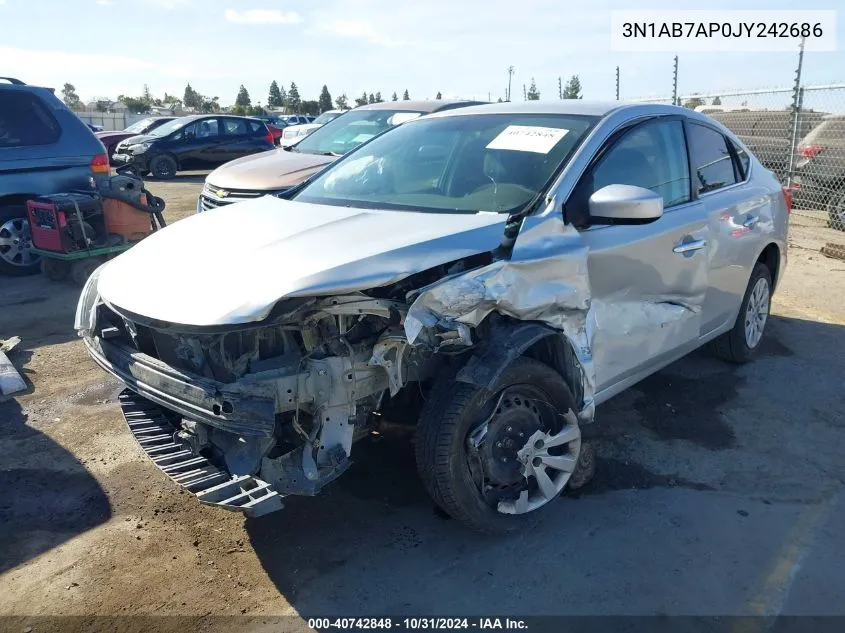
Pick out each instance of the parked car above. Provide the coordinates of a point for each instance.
(510, 265)
(768, 133)
(193, 142)
(275, 125)
(95, 128)
(274, 173)
(820, 170)
(297, 119)
(295, 133)
(44, 148)
(112, 137)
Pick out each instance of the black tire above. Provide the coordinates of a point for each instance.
(163, 167)
(55, 269)
(450, 412)
(733, 345)
(836, 211)
(14, 225)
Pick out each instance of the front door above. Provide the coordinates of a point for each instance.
(648, 281)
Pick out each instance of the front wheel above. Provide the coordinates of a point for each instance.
(163, 167)
(492, 458)
(740, 344)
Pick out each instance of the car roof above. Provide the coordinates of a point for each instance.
(427, 105)
(562, 106)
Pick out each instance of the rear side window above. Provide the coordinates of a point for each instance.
(256, 126)
(711, 159)
(235, 127)
(743, 158)
(25, 120)
(652, 156)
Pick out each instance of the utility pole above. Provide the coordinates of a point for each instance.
(617, 83)
(488, 97)
(510, 75)
(524, 93)
(675, 83)
(559, 89)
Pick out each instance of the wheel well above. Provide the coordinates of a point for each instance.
(15, 199)
(771, 258)
(555, 351)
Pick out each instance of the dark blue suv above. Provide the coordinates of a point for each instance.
(44, 148)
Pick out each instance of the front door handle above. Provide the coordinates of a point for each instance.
(688, 247)
(751, 221)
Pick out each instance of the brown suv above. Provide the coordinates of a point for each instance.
(275, 172)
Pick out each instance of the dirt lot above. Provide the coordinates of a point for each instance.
(719, 491)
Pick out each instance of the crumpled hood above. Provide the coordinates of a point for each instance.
(267, 171)
(232, 264)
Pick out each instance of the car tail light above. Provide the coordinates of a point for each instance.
(787, 195)
(100, 164)
(269, 135)
(808, 151)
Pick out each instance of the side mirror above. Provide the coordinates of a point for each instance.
(625, 204)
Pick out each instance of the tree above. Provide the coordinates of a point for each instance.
(439, 96)
(342, 102)
(378, 98)
(371, 98)
(170, 99)
(406, 96)
(572, 89)
(274, 99)
(362, 100)
(191, 98)
(533, 94)
(135, 105)
(146, 96)
(210, 105)
(325, 99)
(717, 101)
(243, 99)
(394, 97)
(70, 97)
(500, 100)
(693, 102)
(311, 107)
(294, 100)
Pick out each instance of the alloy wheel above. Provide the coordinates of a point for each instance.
(757, 313)
(16, 243)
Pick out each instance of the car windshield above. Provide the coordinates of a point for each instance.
(462, 163)
(326, 117)
(139, 126)
(347, 132)
(167, 128)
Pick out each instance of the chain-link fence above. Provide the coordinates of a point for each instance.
(799, 135)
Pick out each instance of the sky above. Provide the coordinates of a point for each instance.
(461, 48)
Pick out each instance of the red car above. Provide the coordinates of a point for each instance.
(110, 138)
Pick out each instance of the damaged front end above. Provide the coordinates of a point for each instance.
(243, 415)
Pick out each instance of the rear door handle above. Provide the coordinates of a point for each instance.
(751, 221)
(688, 247)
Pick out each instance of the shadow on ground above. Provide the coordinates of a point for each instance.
(374, 543)
(48, 496)
(38, 310)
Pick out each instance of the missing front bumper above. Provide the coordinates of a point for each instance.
(158, 438)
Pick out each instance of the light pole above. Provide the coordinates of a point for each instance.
(510, 75)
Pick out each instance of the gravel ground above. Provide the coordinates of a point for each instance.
(719, 491)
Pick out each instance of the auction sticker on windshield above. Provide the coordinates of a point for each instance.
(528, 138)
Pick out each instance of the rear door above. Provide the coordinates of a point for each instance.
(737, 215)
(648, 281)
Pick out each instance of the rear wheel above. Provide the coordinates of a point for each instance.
(740, 344)
(492, 458)
(836, 211)
(16, 257)
(163, 167)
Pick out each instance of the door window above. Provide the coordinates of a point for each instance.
(711, 159)
(207, 128)
(653, 156)
(24, 120)
(235, 127)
